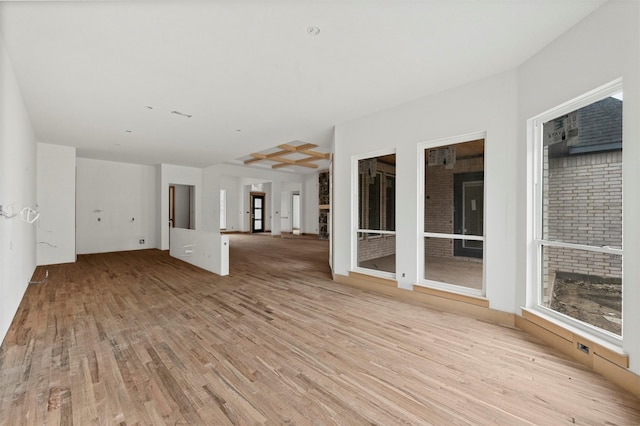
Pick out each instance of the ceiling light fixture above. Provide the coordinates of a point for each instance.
(182, 114)
(314, 31)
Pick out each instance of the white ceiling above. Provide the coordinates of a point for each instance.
(247, 71)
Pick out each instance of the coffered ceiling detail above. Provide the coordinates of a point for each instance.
(285, 155)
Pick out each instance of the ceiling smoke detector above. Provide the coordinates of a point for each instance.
(314, 31)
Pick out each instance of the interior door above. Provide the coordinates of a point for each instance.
(172, 206)
(257, 213)
(469, 212)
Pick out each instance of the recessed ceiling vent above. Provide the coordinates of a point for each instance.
(181, 114)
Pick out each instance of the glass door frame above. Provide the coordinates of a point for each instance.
(253, 197)
(421, 234)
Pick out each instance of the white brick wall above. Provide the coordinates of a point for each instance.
(375, 246)
(583, 205)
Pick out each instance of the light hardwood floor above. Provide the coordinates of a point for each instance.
(141, 338)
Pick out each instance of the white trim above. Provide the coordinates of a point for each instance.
(603, 249)
(570, 323)
(613, 344)
(451, 288)
(374, 231)
(374, 273)
(451, 140)
(421, 234)
(595, 95)
(453, 236)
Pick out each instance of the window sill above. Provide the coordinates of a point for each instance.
(575, 342)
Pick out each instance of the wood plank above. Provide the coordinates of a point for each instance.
(143, 338)
(255, 159)
(473, 300)
(316, 154)
(284, 162)
(298, 148)
(286, 149)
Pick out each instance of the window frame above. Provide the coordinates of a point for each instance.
(421, 234)
(356, 187)
(535, 198)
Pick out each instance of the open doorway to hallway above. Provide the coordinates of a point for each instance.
(295, 213)
(182, 206)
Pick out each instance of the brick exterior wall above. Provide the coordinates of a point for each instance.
(376, 246)
(583, 205)
(438, 203)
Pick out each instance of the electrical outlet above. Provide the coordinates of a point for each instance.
(583, 348)
(141, 241)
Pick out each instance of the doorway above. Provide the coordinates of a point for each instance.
(295, 213)
(182, 206)
(257, 212)
(468, 195)
(172, 207)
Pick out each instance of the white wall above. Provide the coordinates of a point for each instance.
(168, 174)
(484, 106)
(229, 177)
(286, 207)
(270, 204)
(56, 194)
(234, 213)
(115, 206)
(206, 250)
(600, 49)
(17, 190)
(286, 203)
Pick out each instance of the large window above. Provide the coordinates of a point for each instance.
(453, 237)
(376, 242)
(578, 233)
